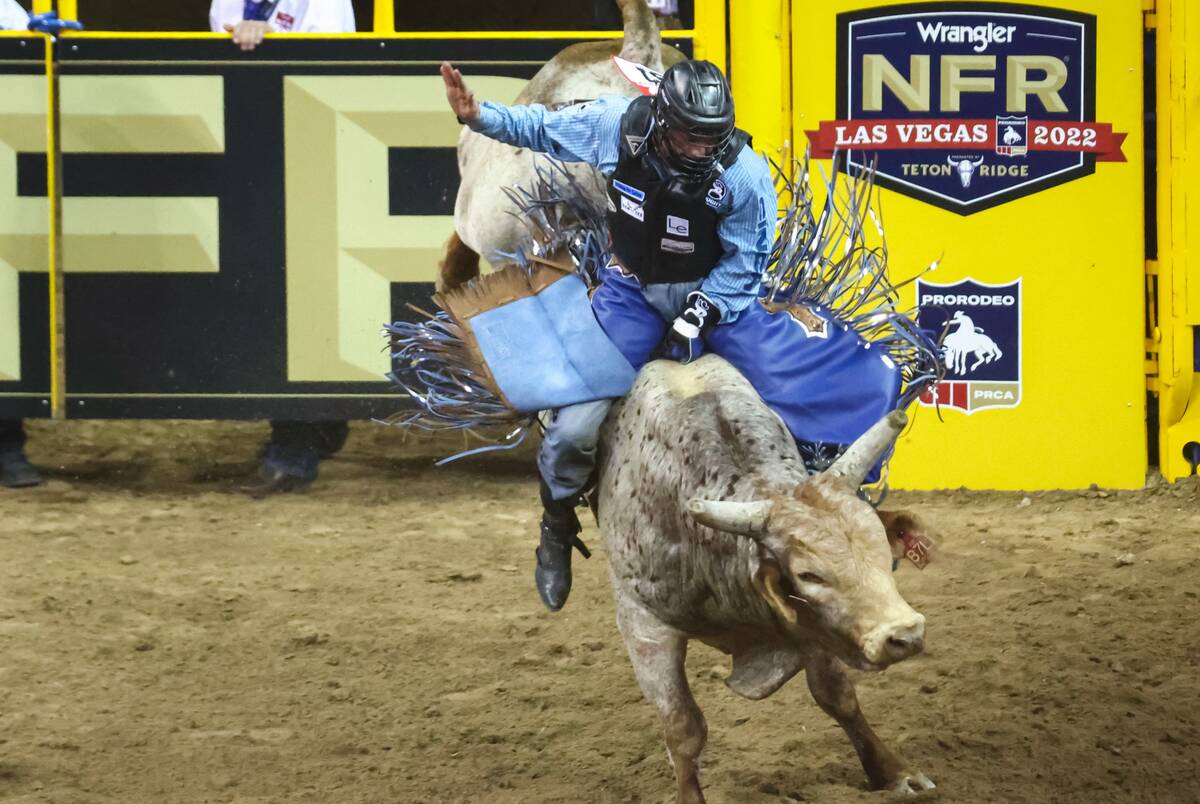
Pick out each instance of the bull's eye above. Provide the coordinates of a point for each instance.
(811, 577)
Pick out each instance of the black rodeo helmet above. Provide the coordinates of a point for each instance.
(693, 99)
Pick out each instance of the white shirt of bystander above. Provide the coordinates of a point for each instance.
(13, 17)
(289, 16)
(664, 7)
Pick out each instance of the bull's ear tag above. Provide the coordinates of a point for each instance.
(917, 548)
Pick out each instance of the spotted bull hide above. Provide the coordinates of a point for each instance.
(716, 532)
(482, 223)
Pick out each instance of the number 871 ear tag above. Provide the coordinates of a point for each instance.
(918, 548)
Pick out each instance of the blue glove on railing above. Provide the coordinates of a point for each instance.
(49, 23)
(685, 339)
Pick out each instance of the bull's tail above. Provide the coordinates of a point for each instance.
(642, 44)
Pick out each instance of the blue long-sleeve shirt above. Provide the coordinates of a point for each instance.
(591, 132)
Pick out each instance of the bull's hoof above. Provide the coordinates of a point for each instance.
(911, 784)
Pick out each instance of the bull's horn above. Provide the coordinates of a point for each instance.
(855, 462)
(745, 518)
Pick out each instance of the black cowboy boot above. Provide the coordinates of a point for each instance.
(560, 533)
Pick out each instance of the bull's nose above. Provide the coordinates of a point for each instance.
(905, 641)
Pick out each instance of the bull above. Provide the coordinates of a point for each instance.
(485, 222)
(715, 531)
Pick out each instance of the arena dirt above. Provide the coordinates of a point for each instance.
(165, 639)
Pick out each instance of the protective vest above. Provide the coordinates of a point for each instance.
(663, 230)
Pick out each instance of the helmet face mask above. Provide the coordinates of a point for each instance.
(693, 118)
(692, 154)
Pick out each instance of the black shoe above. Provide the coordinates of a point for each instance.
(16, 472)
(283, 470)
(552, 575)
(275, 481)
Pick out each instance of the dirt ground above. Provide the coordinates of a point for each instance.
(163, 638)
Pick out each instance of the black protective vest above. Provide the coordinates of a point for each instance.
(662, 230)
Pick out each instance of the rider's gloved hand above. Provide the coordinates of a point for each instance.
(49, 23)
(685, 339)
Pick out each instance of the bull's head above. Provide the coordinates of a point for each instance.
(827, 558)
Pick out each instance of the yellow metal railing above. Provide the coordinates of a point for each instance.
(385, 16)
(67, 9)
(54, 246)
(710, 22)
(1178, 264)
(760, 73)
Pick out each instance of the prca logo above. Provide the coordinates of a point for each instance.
(982, 347)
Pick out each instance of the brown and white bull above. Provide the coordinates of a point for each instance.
(716, 532)
(482, 221)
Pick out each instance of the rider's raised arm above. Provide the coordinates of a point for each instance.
(746, 231)
(584, 132)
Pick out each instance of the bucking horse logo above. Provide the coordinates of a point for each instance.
(968, 339)
(982, 343)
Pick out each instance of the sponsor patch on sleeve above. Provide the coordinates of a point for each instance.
(716, 194)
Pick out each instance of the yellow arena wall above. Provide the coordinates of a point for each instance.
(1070, 410)
(1064, 402)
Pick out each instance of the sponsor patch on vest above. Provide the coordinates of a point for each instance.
(632, 192)
(677, 226)
(677, 246)
(285, 21)
(716, 194)
(982, 348)
(632, 210)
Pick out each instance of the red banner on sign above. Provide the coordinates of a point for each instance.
(963, 135)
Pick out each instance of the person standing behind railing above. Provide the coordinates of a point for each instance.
(12, 16)
(291, 456)
(15, 469)
(250, 20)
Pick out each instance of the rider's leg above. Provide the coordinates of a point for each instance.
(565, 462)
(635, 318)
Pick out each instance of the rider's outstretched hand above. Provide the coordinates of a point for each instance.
(462, 100)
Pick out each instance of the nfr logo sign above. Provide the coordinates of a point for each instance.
(982, 347)
(968, 105)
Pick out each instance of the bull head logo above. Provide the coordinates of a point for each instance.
(965, 167)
